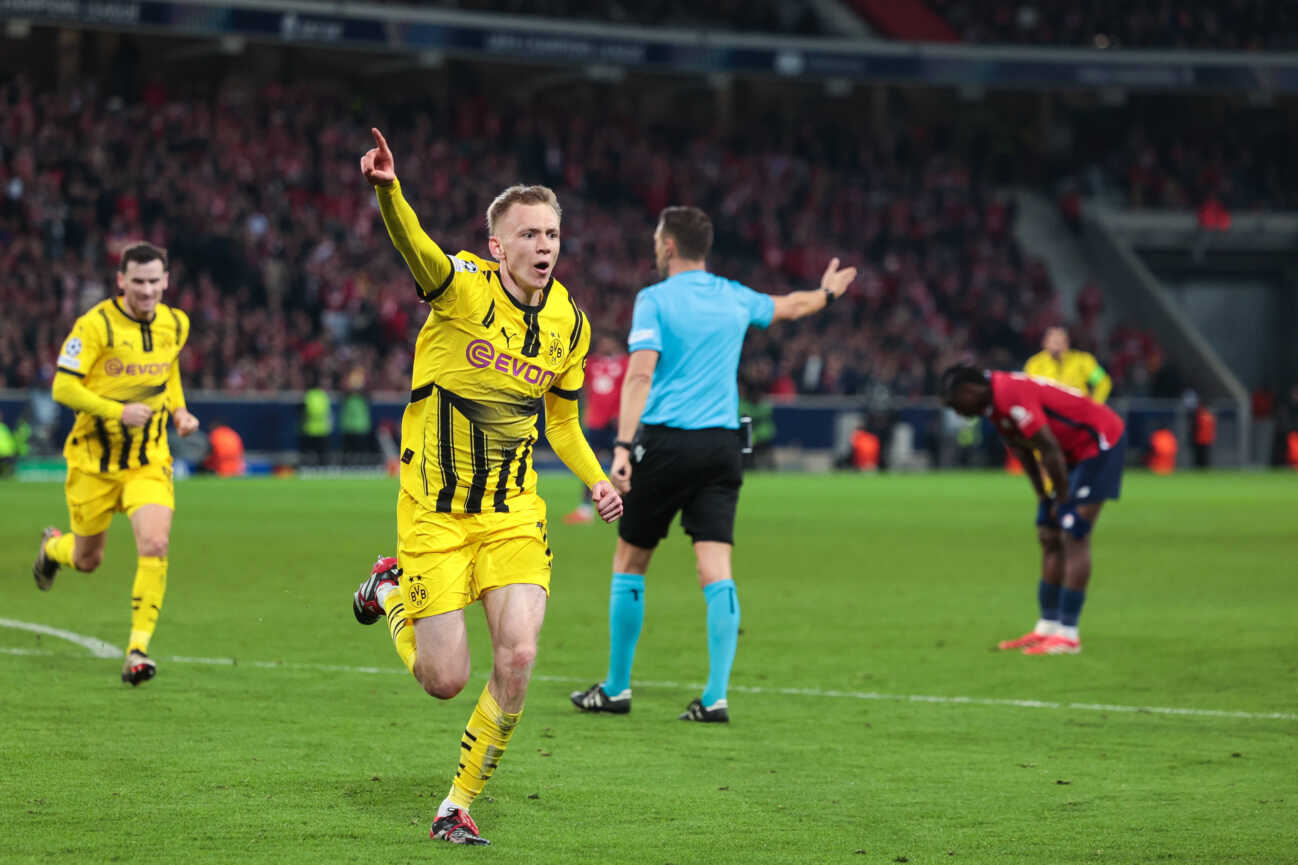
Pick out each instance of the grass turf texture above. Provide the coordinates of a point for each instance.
(892, 585)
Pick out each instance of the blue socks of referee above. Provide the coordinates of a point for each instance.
(723, 637)
(625, 618)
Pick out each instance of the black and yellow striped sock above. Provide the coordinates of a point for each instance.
(483, 744)
(402, 631)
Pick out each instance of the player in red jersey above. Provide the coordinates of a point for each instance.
(605, 370)
(1082, 447)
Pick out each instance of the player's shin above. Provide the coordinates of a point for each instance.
(481, 747)
(146, 600)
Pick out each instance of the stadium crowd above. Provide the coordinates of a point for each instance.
(281, 260)
(1220, 25)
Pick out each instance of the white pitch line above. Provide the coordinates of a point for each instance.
(744, 689)
(98, 648)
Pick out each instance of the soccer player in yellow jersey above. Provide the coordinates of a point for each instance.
(1077, 369)
(502, 340)
(119, 371)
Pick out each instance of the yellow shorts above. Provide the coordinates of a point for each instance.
(93, 497)
(448, 561)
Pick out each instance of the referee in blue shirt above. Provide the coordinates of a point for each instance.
(681, 382)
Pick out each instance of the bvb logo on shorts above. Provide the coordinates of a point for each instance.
(416, 594)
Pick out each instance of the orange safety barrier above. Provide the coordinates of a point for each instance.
(865, 450)
(226, 458)
(1012, 464)
(1162, 452)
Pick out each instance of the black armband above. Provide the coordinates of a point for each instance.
(621, 444)
(830, 297)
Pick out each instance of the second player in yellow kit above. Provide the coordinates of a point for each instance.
(503, 342)
(119, 370)
(1077, 369)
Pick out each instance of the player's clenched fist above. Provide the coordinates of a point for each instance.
(377, 164)
(606, 500)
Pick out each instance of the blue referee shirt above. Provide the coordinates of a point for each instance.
(696, 322)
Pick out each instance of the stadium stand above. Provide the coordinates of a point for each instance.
(281, 260)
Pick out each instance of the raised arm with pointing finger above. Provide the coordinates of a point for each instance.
(430, 266)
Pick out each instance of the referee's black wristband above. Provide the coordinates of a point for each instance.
(622, 444)
(830, 297)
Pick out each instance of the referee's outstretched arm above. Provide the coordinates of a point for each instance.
(797, 304)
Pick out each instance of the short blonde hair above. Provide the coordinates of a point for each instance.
(520, 194)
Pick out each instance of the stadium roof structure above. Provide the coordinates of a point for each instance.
(431, 34)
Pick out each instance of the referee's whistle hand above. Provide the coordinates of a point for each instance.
(606, 500)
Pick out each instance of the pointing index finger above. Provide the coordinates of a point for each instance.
(379, 140)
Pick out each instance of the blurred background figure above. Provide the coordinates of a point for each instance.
(605, 370)
(1205, 435)
(317, 426)
(8, 450)
(1058, 361)
(356, 422)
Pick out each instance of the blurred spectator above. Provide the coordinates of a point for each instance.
(8, 450)
(317, 426)
(356, 422)
(1204, 425)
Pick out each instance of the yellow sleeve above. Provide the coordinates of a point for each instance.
(1098, 382)
(79, 354)
(563, 430)
(431, 267)
(175, 392)
(1034, 365)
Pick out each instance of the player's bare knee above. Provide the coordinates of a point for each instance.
(443, 687)
(154, 547)
(1051, 539)
(516, 660)
(87, 562)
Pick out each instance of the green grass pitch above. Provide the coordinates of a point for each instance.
(300, 739)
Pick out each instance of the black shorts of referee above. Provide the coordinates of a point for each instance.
(694, 472)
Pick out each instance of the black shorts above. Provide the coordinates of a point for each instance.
(695, 472)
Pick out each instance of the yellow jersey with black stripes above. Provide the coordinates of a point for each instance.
(483, 365)
(1076, 369)
(108, 360)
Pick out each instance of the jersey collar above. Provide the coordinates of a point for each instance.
(123, 311)
(534, 308)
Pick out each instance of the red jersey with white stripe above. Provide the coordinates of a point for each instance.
(1026, 403)
(604, 374)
